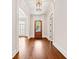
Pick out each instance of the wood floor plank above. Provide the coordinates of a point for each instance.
(37, 49)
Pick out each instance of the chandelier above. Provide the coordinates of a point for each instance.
(38, 5)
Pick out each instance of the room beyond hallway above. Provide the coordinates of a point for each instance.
(37, 49)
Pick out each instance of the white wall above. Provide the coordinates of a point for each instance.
(23, 19)
(50, 19)
(20, 12)
(24, 15)
(14, 28)
(60, 26)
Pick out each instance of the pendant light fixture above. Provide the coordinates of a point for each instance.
(38, 5)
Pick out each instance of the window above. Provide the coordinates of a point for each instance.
(21, 27)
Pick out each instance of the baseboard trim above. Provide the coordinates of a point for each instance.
(14, 54)
(38, 38)
(24, 36)
(60, 49)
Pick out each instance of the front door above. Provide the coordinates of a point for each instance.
(38, 29)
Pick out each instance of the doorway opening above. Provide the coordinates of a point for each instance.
(38, 29)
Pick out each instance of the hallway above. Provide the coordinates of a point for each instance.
(37, 49)
(41, 19)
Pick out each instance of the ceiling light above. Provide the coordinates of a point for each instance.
(38, 5)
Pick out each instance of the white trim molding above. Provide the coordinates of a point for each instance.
(64, 52)
(14, 53)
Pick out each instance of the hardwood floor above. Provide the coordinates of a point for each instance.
(37, 49)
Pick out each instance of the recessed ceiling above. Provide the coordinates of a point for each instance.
(29, 6)
(32, 6)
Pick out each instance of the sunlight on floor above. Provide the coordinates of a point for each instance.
(22, 47)
(38, 48)
(38, 44)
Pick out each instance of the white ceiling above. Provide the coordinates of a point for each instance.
(31, 4)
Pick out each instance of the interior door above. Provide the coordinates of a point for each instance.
(38, 29)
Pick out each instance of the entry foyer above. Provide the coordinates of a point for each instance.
(39, 29)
